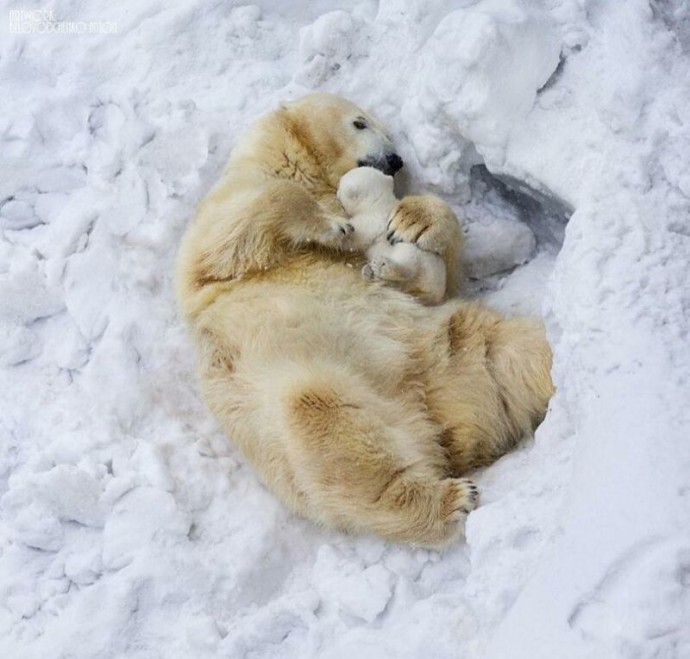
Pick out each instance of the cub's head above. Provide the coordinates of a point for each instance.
(340, 136)
(366, 188)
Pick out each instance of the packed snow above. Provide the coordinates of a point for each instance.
(559, 130)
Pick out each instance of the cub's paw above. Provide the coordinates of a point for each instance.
(375, 270)
(383, 270)
(368, 273)
(460, 497)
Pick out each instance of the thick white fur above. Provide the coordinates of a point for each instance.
(357, 405)
(367, 196)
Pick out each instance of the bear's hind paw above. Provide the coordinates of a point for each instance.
(460, 498)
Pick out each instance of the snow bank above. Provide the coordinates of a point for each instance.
(130, 527)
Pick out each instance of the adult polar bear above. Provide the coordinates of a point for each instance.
(356, 405)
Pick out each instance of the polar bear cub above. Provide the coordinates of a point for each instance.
(367, 196)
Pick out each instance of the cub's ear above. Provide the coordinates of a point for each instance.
(349, 197)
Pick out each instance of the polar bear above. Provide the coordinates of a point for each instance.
(367, 196)
(361, 408)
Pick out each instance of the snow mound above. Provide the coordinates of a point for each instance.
(484, 65)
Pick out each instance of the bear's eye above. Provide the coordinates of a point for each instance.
(359, 124)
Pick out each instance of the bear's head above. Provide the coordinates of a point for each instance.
(340, 136)
(365, 189)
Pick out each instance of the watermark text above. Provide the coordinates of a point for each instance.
(44, 21)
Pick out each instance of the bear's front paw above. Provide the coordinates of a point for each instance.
(336, 233)
(408, 225)
(426, 222)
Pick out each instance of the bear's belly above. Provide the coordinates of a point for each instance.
(329, 315)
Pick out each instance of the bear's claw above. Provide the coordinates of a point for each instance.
(460, 498)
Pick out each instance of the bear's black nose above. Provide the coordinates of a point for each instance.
(394, 163)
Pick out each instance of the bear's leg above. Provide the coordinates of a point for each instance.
(520, 361)
(494, 386)
(367, 464)
(287, 210)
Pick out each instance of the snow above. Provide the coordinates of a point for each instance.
(130, 527)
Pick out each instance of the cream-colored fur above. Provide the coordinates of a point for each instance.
(357, 405)
(367, 196)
